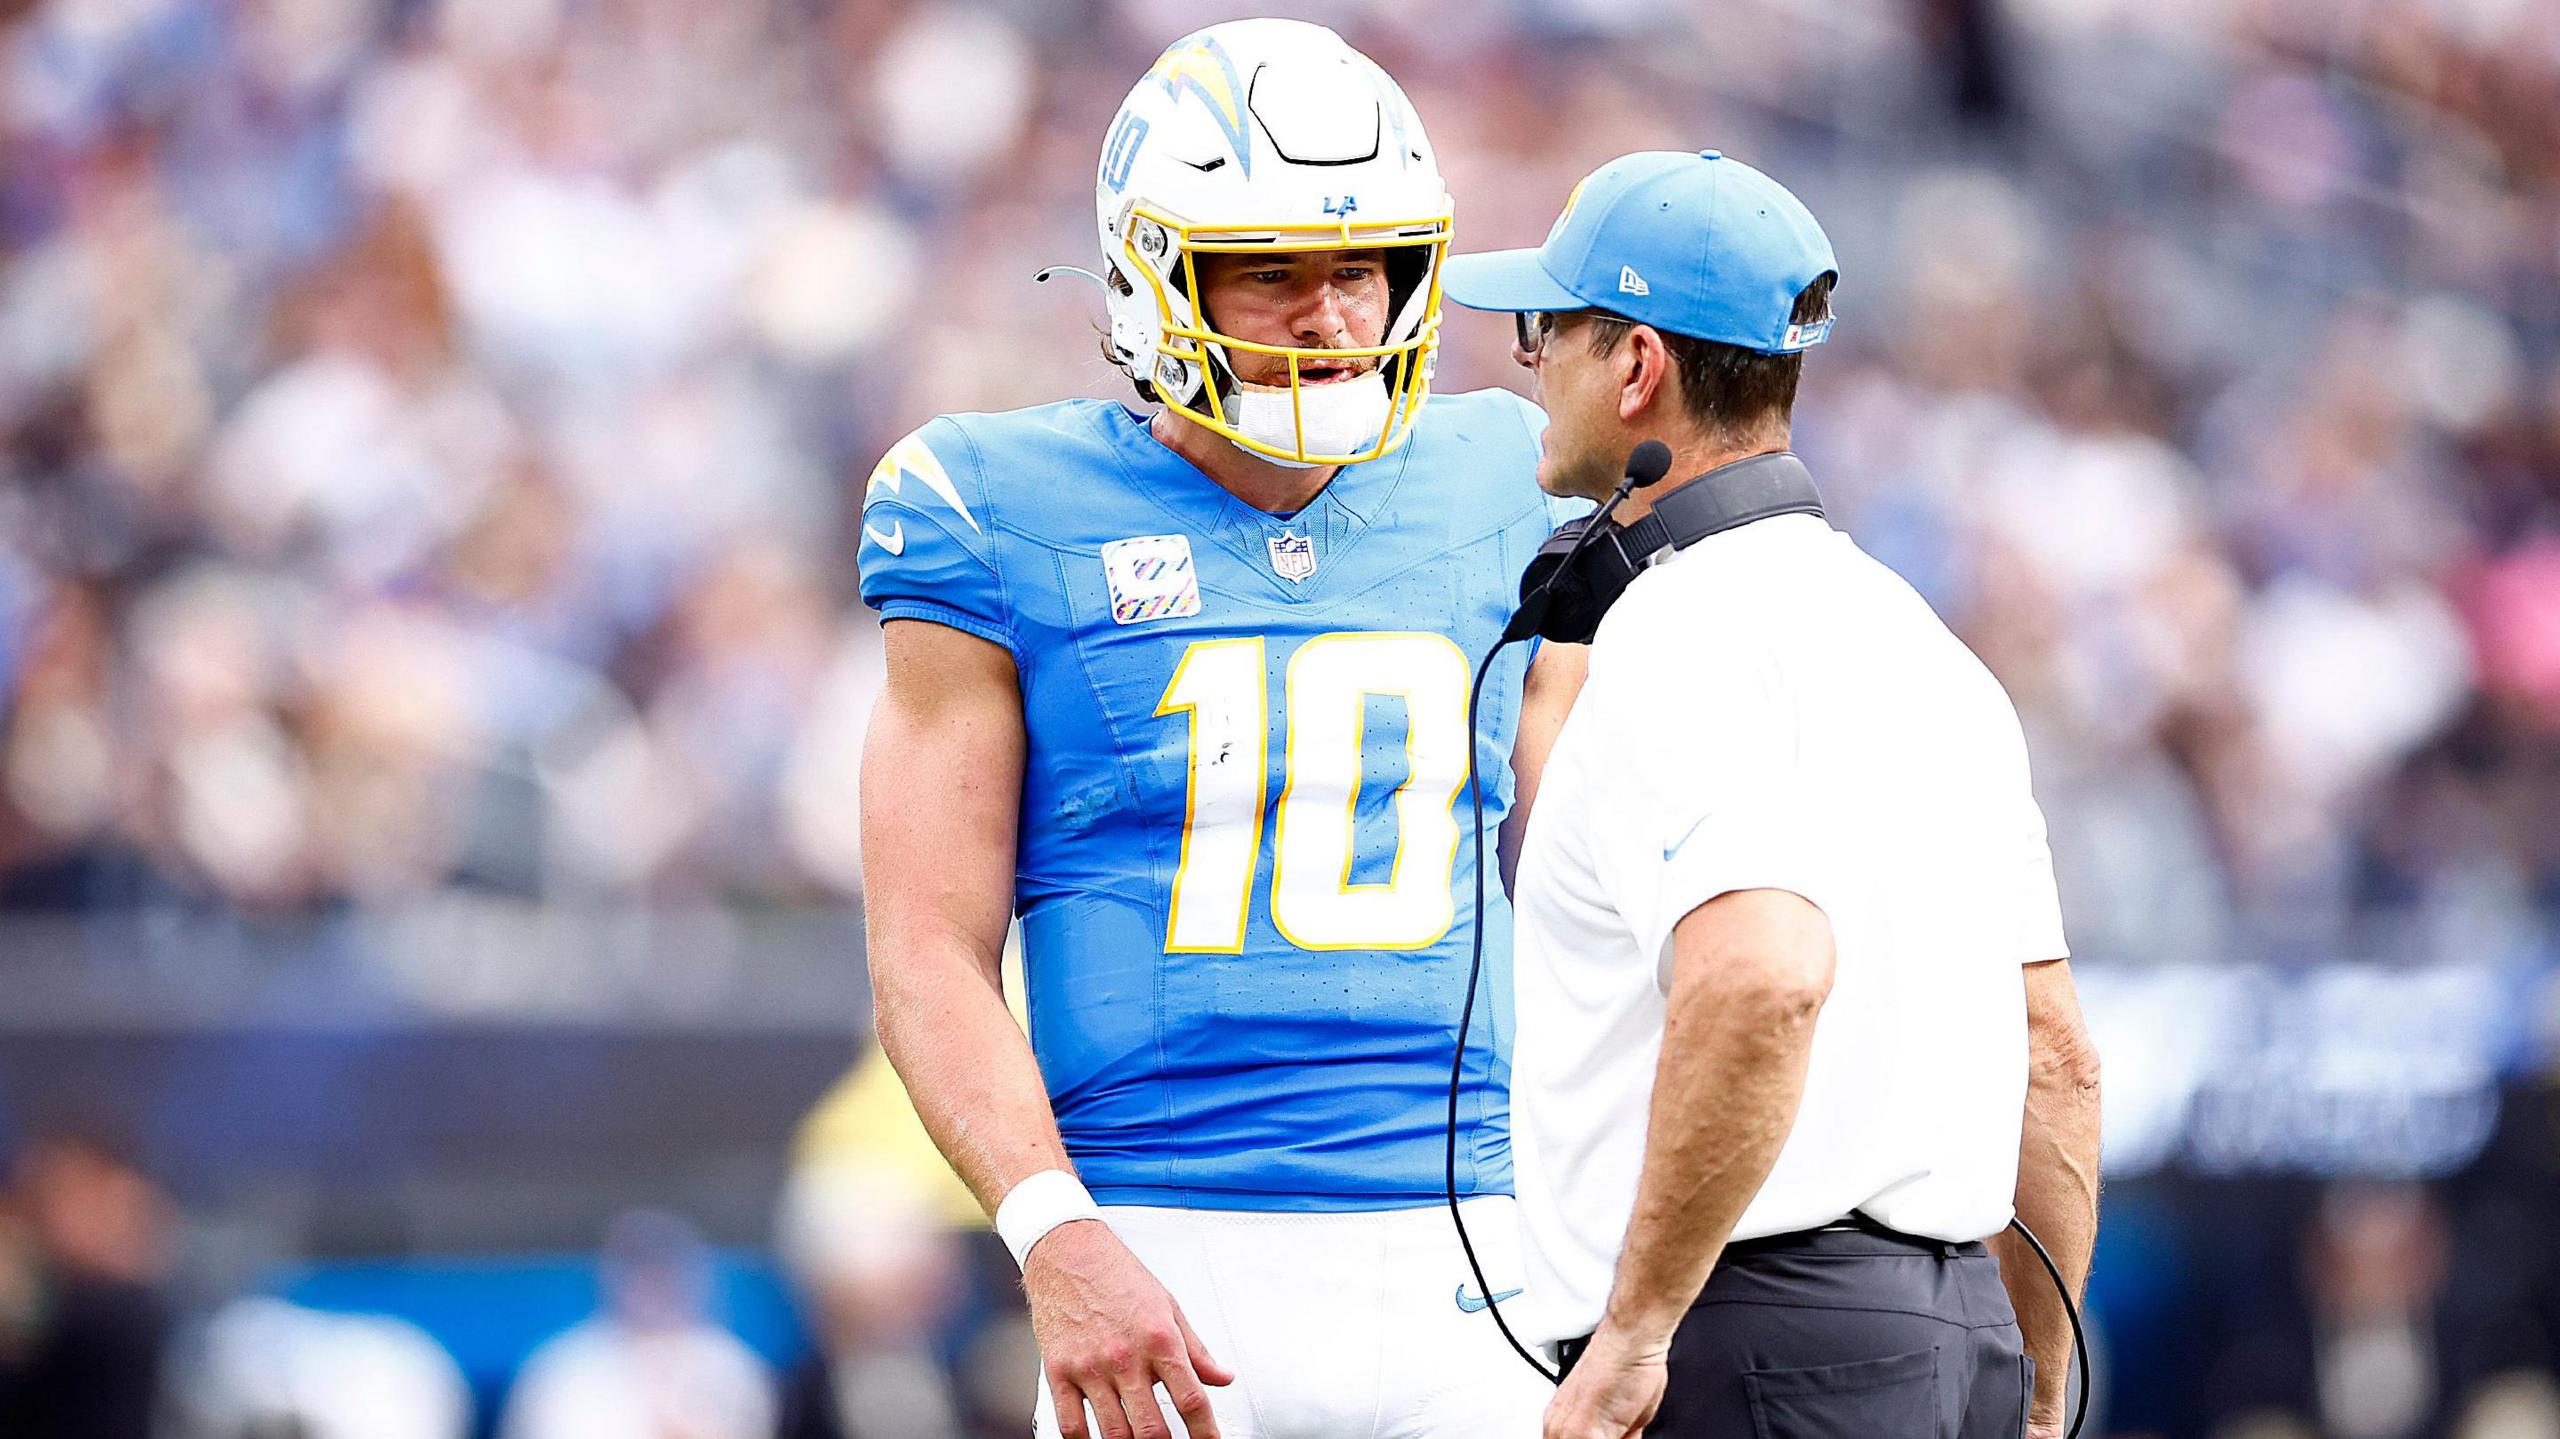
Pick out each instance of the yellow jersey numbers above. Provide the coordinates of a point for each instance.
(1223, 686)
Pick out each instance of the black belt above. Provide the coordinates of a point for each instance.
(1856, 1223)
(1569, 1351)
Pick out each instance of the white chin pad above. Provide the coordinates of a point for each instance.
(1342, 418)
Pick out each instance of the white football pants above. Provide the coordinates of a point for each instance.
(1342, 1326)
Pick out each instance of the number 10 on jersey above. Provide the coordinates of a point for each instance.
(1224, 688)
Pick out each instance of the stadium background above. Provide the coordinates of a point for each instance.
(430, 683)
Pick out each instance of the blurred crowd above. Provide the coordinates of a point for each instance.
(432, 435)
(433, 427)
(2229, 1309)
(99, 1339)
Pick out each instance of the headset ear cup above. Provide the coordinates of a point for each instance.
(1549, 560)
(1571, 589)
(1581, 598)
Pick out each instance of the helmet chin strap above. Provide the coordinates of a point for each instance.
(1341, 418)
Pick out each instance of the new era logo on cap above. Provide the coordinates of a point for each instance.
(1631, 283)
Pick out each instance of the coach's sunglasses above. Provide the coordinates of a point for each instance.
(1533, 328)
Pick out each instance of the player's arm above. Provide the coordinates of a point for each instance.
(942, 789)
(1555, 677)
(2057, 1182)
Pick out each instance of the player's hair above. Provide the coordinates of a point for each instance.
(1118, 283)
(1730, 392)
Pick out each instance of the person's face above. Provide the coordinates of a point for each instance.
(1580, 389)
(1314, 300)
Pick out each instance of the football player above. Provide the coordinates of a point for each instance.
(1186, 690)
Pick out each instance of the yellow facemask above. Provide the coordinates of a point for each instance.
(1192, 374)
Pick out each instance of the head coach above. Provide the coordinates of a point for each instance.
(1795, 1027)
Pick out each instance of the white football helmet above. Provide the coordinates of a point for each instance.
(1260, 136)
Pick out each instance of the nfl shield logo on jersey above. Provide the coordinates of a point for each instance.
(1152, 578)
(1293, 556)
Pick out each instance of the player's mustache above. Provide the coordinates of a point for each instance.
(1315, 359)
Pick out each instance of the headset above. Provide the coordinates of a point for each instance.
(1568, 587)
(1588, 562)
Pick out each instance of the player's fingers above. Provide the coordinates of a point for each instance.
(1138, 1400)
(1189, 1399)
(1107, 1414)
(1070, 1402)
(1202, 1362)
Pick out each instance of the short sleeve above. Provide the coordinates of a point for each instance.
(2038, 904)
(1758, 840)
(1723, 810)
(927, 550)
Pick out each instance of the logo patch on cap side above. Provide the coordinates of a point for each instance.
(1631, 283)
(1805, 337)
(1567, 212)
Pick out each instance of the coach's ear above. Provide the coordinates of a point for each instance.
(1648, 378)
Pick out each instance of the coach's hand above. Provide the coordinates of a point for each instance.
(1613, 1391)
(1109, 1333)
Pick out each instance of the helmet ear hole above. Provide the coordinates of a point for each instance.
(1118, 282)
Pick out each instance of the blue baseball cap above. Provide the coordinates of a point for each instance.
(1690, 243)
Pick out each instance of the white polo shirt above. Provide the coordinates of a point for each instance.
(1772, 709)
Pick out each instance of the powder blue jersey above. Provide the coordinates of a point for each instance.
(1244, 871)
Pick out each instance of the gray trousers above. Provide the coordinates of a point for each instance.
(1848, 1335)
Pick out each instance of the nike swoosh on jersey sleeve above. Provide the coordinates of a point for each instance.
(933, 568)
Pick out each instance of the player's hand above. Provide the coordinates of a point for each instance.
(1109, 1334)
(1613, 1391)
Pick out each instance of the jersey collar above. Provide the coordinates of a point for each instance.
(1338, 515)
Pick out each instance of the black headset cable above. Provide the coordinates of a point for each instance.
(1646, 465)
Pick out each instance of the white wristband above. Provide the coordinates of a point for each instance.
(1039, 1204)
